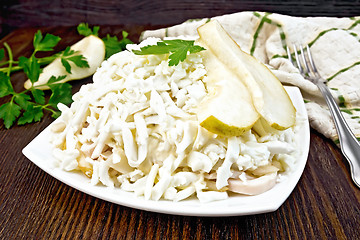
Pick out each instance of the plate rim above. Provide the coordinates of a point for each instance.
(169, 207)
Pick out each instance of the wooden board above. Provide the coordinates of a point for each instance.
(324, 205)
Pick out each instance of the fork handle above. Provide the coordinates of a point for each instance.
(350, 146)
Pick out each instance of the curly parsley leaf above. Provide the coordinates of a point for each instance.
(85, 30)
(46, 43)
(9, 112)
(113, 45)
(177, 48)
(31, 67)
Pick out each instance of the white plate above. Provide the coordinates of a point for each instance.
(39, 152)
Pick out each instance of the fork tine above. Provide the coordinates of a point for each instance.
(289, 55)
(299, 65)
(313, 67)
(305, 61)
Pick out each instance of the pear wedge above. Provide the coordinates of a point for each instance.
(262, 128)
(227, 110)
(268, 95)
(91, 47)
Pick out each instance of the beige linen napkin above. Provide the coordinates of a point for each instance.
(334, 43)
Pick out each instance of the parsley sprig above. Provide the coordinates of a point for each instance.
(85, 30)
(29, 105)
(28, 108)
(112, 43)
(177, 48)
(68, 56)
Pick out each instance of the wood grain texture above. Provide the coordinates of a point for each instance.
(25, 13)
(324, 205)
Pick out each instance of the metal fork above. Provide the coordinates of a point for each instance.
(350, 146)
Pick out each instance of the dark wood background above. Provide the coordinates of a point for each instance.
(324, 205)
(34, 13)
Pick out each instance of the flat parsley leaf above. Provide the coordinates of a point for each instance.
(29, 105)
(46, 43)
(5, 85)
(55, 80)
(34, 111)
(66, 65)
(61, 92)
(69, 55)
(31, 67)
(79, 60)
(9, 112)
(113, 45)
(38, 95)
(85, 30)
(31, 114)
(22, 99)
(177, 48)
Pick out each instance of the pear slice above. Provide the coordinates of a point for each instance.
(227, 109)
(262, 128)
(268, 95)
(91, 47)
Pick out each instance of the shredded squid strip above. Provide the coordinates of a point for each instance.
(136, 128)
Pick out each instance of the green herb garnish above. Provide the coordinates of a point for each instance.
(28, 106)
(177, 48)
(68, 56)
(85, 30)
(112, 44)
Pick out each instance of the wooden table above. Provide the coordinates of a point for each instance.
(324, 205)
